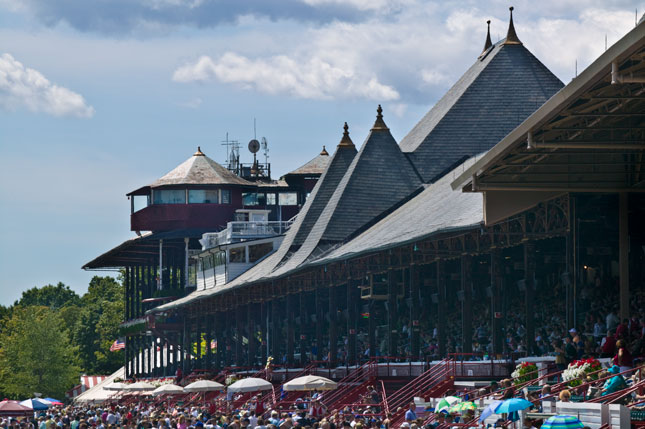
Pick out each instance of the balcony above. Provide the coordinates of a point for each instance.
(236, 232)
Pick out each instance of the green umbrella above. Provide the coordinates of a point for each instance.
(462, 406)
(562, 422)
(446, 403)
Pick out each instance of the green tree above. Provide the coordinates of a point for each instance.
(51, 296)
(36, 354)
(97, 325)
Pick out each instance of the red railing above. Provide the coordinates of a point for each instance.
(351, 386)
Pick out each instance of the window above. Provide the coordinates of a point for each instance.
(237, 254)
(170, 196)
(220, 258)
(140, 202)
(270, 199)
(288, 199)
(259, 250)
(203, 196)
(249, 198)
(226, 196)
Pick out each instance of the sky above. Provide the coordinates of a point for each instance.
(101, 97)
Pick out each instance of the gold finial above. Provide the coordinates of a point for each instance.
(511, 36)
(346, 141)
(199, 152)
(379, 124)
(488, 43)
(324, 151)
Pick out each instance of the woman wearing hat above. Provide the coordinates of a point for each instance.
(615, 383)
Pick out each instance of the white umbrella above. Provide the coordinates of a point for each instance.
(36, 403)
(139, 386)
(115, 386)
(203, 386)
(250, 384)
(168, 389)
(310, 382)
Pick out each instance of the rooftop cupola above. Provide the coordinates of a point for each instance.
(511, 36)
(379, 124)
(346, 141)
(488, 43)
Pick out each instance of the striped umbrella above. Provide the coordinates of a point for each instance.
(562, 422)
(446, 403)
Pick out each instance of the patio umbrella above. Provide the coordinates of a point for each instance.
(53, 401)
(310, 382)
(562, 422)
(168, 389)
(250, 384)
(489, 410)
(512, 405)
(14, 409)
(115, 386)
(462, 406)
(204, 386)
(139, 386)
(446, 403)
(36, 404)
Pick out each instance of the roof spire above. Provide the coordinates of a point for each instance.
(488, 43)
(379, 124)
(346, 141)
(511, 36)
(324, 151)
(199, 152)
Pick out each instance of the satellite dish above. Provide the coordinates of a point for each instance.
(254, 146)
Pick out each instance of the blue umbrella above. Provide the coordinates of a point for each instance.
(562, 422)
(54, 401)
(512, 405)
(489, 410)
(35, 404)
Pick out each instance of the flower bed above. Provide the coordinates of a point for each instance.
(524, 372)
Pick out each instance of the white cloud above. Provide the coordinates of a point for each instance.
(311, 78)
(24, 87)
(193, 103)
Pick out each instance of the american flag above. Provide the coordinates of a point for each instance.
(117, 345)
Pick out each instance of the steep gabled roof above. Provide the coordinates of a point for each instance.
(504, 86)
(314, 167)
(379, 178)
(200, 170)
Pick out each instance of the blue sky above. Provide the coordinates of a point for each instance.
(100, 97)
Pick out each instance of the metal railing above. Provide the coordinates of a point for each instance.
(241, 231)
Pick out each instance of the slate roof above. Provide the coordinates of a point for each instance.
(200, 170)
(504, 86)
(315, 167)
(379, 177)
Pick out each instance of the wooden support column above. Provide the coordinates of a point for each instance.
(219, 351)
(529, 305)
(496, 270)
(333, 331)
(276, 337)
(239, 335)
(414, 277)
(392, 316)
(251, 332)
(441, 307)
(371, 329)
(304, 322)
(126, 353)
(352, 321)
(467, 304)
(320, 317)
(623, 253)
(264, 313)
(226, 360)
(291, 331)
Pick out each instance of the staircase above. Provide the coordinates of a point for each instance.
(351, 387)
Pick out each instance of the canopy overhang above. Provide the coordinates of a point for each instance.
(589, 137)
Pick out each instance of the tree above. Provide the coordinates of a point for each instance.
(51, 296)
(36, 354)
(97, 326)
